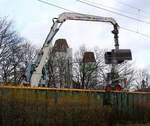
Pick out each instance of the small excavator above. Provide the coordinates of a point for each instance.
(116, 56)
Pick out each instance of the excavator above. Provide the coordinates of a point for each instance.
(35, 70)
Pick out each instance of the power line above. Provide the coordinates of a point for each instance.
(120, 14)
(130, 30)
(116, 8)
(133, 7)
(62, 8)
(54, 5)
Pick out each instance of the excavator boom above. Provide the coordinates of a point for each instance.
(43, 56)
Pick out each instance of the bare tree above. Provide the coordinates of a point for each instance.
(13, 64)
(8, 39)
(59, 70)
(15, 53)
(7, 36)
(29, 53)
(78, 77)
(125, 70)
(84, 72)
(102, 68)
(142, 79)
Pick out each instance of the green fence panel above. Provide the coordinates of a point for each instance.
(69, 107)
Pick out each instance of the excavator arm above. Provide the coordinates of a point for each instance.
(43, 56)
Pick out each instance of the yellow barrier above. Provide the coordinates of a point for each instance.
(71, 89)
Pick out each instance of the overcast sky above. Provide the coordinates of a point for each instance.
(33, 20)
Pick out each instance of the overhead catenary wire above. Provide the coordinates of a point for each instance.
(137, 32)
(114, 12)
(54, 5)
(138, 15)
(62, 8)
(133, 7)
(113, 8)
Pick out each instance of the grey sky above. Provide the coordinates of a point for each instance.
(33, 21)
